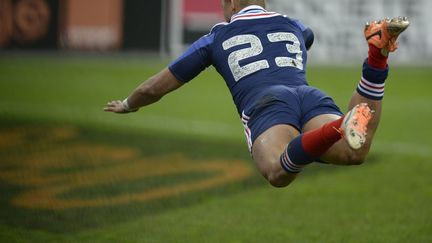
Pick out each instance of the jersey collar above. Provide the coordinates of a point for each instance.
(252, 9)
(253, 12)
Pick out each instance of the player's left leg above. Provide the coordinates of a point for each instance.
(266, 152)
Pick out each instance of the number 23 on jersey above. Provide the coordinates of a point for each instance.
(293, 59)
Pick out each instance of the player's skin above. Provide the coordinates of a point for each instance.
(268, 147)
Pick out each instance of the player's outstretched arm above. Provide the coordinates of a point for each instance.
(150, 91)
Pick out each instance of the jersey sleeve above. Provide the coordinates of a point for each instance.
(194, 60)
(309, 37)
(308, 34)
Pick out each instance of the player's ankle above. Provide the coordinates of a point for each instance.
(372, 83)
(375, 57)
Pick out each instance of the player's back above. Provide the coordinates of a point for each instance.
(257, 51)
(253, 54)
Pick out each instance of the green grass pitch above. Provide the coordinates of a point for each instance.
(179, 171)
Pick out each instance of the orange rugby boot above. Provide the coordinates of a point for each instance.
(354, 125)
(384, 33)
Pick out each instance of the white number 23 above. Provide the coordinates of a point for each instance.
(256, 48)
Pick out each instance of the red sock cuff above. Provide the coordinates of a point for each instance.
(375, 58)
(318, 141)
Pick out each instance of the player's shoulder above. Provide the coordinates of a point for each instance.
(284, 18)
(218, 27)
(296, 22)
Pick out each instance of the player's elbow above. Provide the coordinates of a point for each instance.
(150, 92)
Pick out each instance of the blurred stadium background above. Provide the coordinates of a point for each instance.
(166, 27)
(179, 171)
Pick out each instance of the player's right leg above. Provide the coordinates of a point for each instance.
(382, 39)
(280, 163)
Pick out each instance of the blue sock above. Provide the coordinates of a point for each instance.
(295, 158)
(309, 146)
(372, 83)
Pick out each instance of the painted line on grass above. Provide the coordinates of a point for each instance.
(403, 148)
(140, 121)
(59, 162)
(175, 125)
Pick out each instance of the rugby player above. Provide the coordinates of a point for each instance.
(262, 57)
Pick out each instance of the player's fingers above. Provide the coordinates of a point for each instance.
(113, 103)
(107, 109)
(113, 106)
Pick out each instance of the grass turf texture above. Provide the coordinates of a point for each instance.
(388, 199)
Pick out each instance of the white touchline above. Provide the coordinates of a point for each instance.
(403, 148)
(184, 126)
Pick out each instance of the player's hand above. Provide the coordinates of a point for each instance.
(115, 106)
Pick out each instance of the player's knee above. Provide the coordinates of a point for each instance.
(356, 161)
(273, 172)
(280, 178)
(353, 158)
(278, 182)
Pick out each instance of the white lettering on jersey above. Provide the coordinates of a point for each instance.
(256, 48)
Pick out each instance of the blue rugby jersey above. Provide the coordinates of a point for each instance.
(255, 51)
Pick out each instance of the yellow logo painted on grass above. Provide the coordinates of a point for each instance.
(53, 162)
